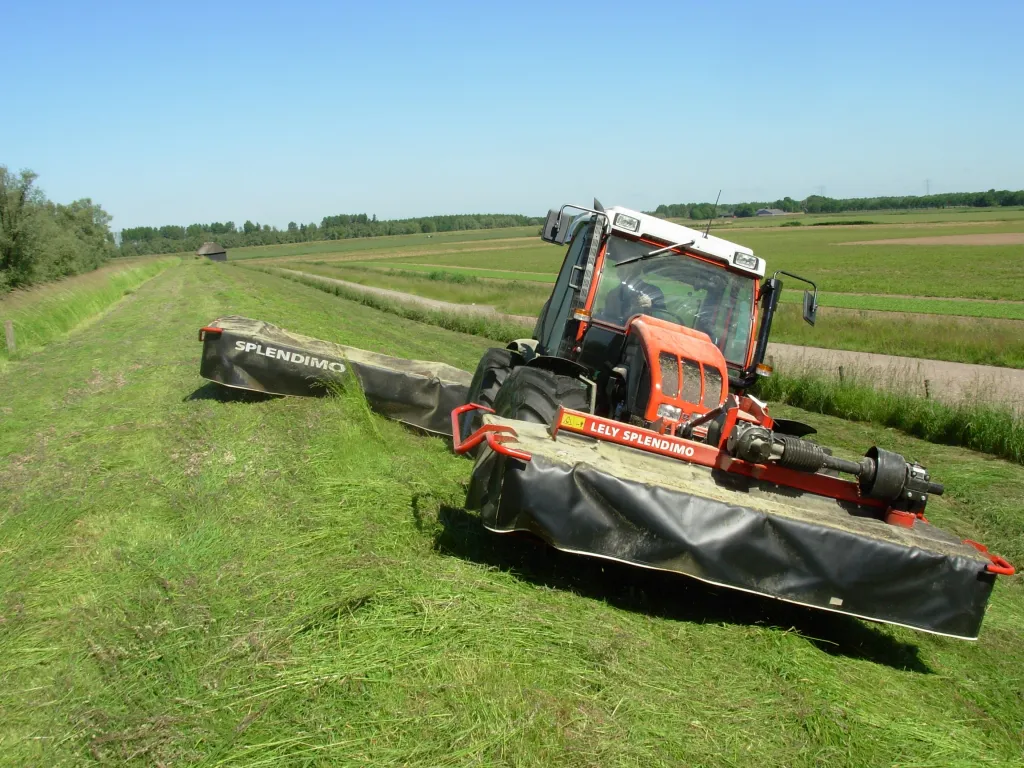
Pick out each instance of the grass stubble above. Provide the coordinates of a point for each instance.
(45, 313)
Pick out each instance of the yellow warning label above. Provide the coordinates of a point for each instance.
(573, 422)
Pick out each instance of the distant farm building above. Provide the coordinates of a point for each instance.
(770, 212)
(213, 252)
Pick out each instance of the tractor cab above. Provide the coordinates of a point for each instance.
(663, 318)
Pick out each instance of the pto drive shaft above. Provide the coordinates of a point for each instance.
(882, 474)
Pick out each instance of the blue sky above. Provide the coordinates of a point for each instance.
(182, 112)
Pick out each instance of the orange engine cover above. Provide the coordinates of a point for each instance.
(687, 370)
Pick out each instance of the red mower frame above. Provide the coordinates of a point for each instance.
(498, 437)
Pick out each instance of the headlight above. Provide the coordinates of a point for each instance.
(745, 260)
(622, 221)
(670, 412)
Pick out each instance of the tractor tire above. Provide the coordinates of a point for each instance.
(491, 372)
(534, 395)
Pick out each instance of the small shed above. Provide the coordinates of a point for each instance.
(212, 251)
(771, 212)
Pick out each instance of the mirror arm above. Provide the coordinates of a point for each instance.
(561, 238)
(769, 294)
(808, 316)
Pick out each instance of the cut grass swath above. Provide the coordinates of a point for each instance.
(476, 325)
(43, 314)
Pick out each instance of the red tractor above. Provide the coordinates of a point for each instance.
(650, 340)
(624, 430)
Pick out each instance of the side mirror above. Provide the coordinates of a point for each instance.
(557, 227)
(810, 306)
(550, 232)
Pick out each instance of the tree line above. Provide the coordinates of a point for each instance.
(821, 204)
(41, 240)
(173, 238)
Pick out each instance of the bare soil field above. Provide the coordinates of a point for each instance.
(988, 238)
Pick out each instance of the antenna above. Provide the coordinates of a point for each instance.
(714, 212)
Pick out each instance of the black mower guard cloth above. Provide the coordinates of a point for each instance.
(593, 497)
(250, 354)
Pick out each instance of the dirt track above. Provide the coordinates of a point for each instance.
(946, 381)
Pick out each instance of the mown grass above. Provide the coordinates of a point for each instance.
(42, 314)
(906, 304)
(512, 297)
(979, 426)
(974, 340)
(997, 310)
(818, 253)
(953, 338)
(477, 325)
(485, 274)
(191, 576)
(437, 240)
(947, 216)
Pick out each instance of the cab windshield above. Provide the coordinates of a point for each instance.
(677, 288)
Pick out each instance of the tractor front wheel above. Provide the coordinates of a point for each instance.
(534, 395)
(491, 372)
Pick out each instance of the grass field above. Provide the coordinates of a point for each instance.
(246, 581)
(435, 241)
(965, 339)
(995, 272)
(514, 297)
(946, 216)
(979, 288)
(1003, 310)
(980, 341)
(45, 313)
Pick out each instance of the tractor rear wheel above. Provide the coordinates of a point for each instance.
(491, 372)
(534, 395)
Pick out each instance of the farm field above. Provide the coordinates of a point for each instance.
(944, 217)
(196, 576)
(966, 272)
(44, 313)
(979, 289)
(1006, 310)
(966, 339)
(370, 245)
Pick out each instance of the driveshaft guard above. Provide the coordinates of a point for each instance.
(250, 354)
(577, 507)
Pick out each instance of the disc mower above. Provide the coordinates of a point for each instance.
(625, 429)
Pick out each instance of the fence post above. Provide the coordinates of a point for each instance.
(9, 334)
(840, 374)
(927, 392)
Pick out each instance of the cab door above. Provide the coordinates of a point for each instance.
(551, 330)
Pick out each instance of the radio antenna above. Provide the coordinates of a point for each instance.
(714, 212)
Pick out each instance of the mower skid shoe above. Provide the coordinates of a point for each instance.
(250, 354)
(600, 499)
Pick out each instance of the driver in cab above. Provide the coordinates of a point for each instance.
(632, 296)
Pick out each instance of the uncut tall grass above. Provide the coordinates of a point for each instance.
(41, 315)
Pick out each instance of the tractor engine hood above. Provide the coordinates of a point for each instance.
(688, 371)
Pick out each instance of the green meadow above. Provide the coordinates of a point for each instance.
(195, 576)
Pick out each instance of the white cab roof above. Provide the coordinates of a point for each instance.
(670, 234)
